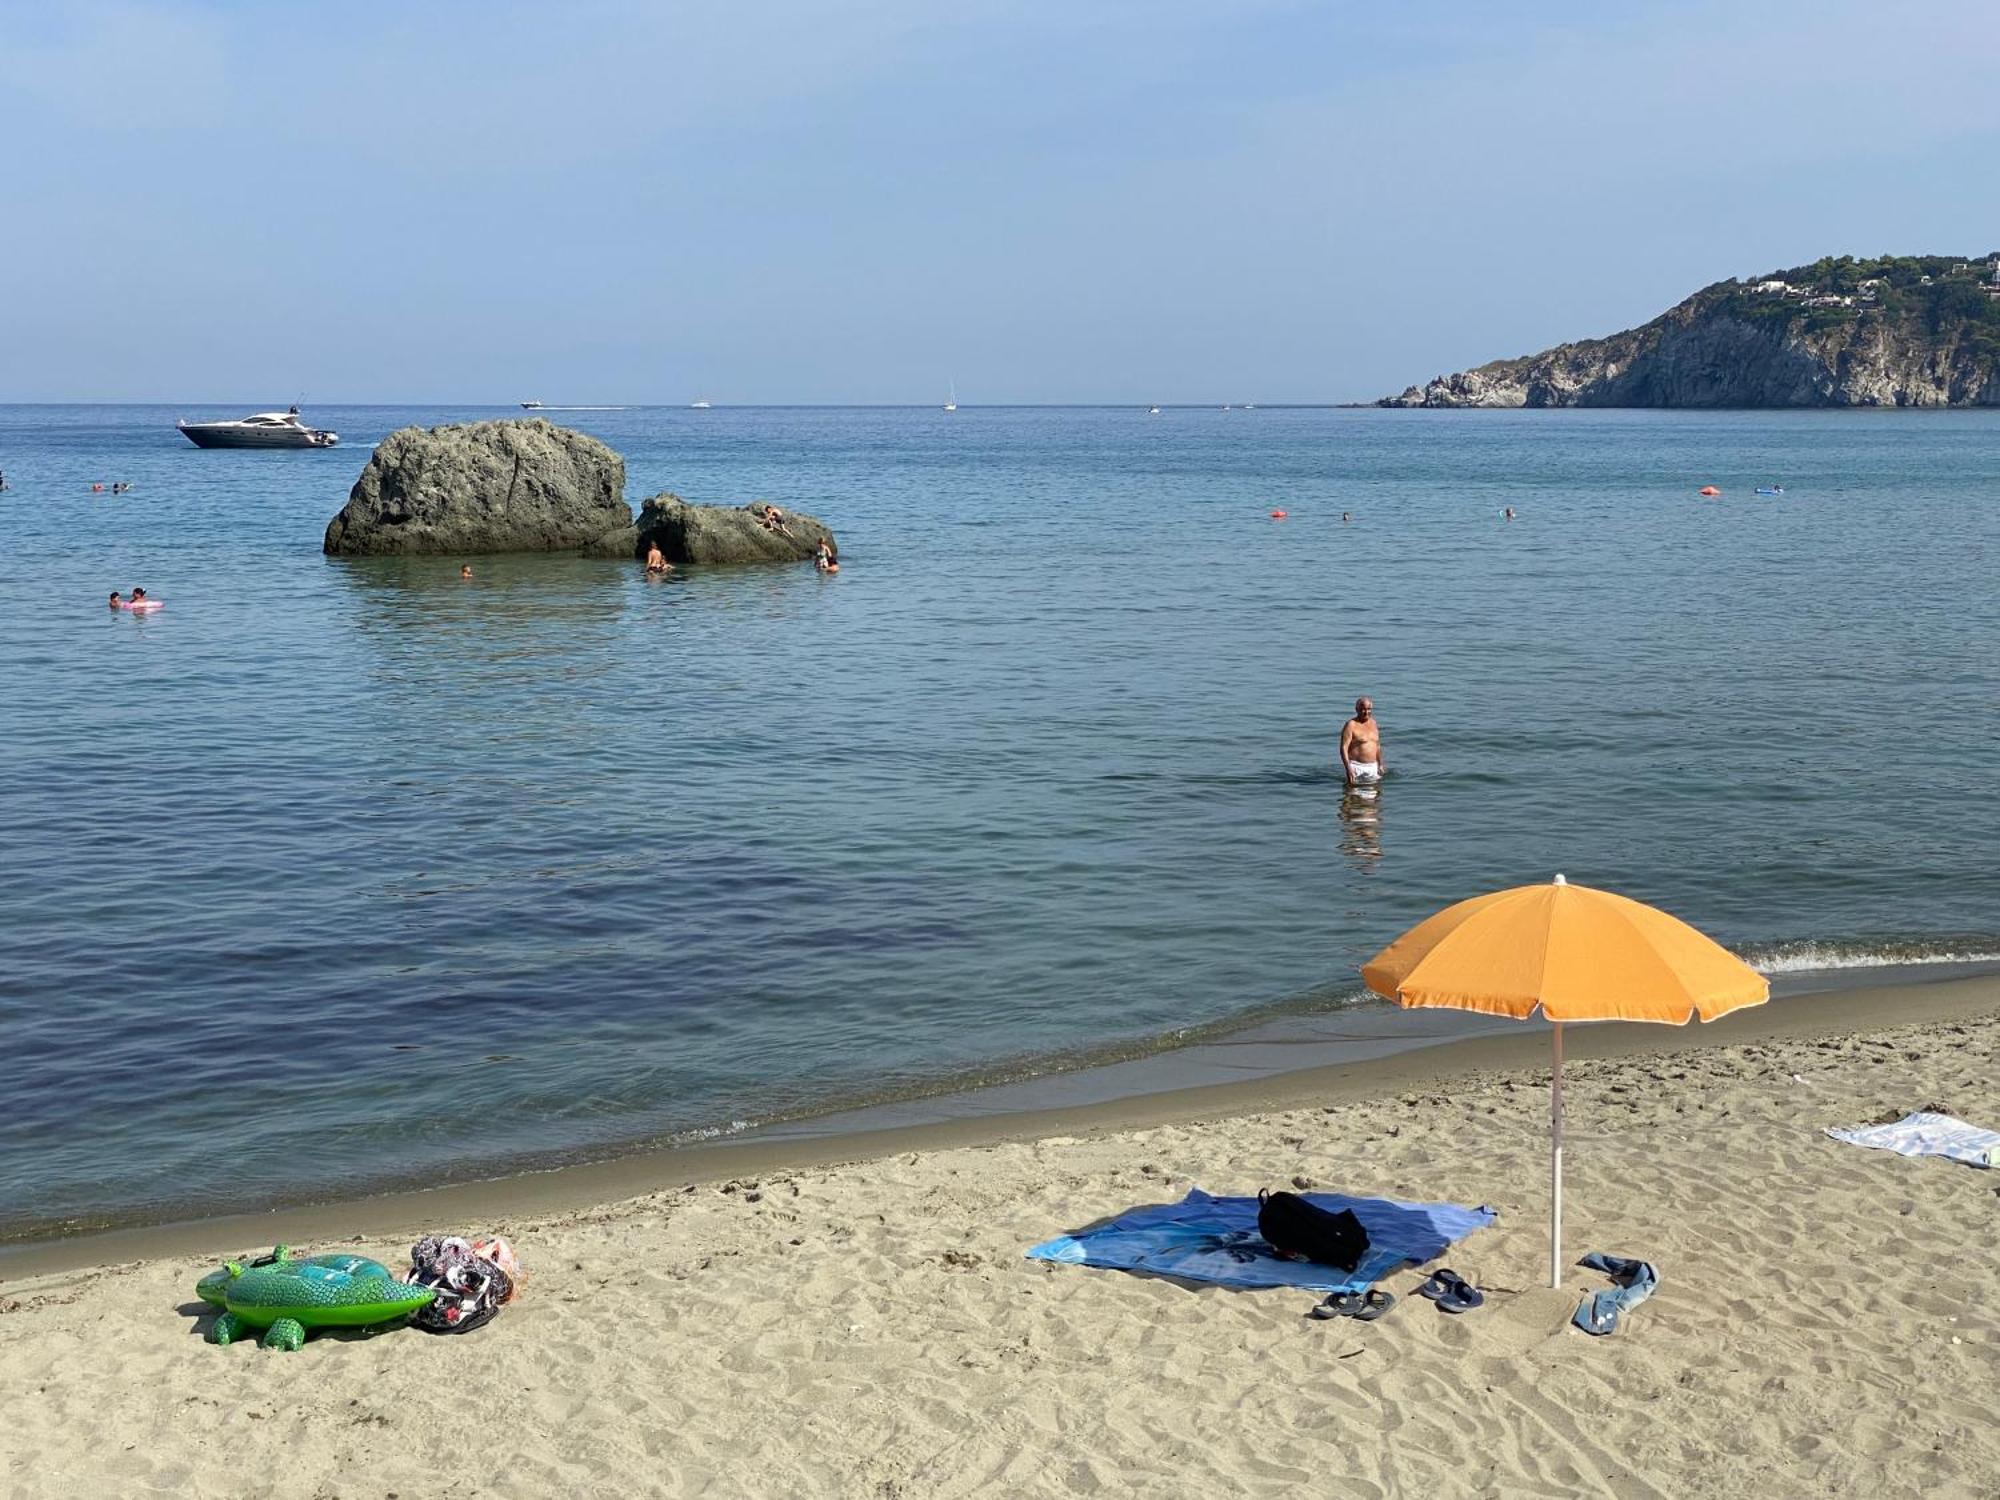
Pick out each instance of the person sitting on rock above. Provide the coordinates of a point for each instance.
(773, 519)
(827, 560)
(656, 561)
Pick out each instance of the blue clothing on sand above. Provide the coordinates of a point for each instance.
(1204, 1238)
(1598, 1313)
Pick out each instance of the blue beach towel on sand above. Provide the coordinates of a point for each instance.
(1203, 1238)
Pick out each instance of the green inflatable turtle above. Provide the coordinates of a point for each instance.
(285, 1297)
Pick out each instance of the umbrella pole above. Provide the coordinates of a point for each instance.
(1556, 1166)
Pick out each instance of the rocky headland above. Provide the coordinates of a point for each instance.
(530, 486)
(1893, 331)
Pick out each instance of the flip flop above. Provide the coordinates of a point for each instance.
(1451, 1291)
(1363, 1307)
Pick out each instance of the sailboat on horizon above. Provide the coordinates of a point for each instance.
(951, 401)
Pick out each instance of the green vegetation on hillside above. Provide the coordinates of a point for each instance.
(1934, 293)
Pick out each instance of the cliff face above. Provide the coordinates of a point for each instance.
(1900, 331)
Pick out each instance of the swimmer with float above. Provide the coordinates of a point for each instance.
(826, 559)
(1361, 745)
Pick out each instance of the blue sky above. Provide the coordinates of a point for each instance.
(1260, 200)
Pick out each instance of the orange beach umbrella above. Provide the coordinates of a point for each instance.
(1575, 954)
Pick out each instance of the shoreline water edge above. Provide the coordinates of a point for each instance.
(1356, 1053)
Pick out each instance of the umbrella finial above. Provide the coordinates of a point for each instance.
(1560, 880)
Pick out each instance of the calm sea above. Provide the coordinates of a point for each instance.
(338, 875)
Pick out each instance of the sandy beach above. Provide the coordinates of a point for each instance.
(869, 1326)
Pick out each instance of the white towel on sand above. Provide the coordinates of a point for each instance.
(1924, 1134)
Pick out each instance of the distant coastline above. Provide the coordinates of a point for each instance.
(1898, 331)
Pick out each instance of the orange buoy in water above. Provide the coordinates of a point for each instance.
(1279, 515)
(1709, 490)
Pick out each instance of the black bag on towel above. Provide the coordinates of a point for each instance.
(1297, 1228)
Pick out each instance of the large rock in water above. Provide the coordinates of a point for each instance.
(525, 486)
(716, 534)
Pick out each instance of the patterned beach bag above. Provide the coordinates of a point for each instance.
(473, 1280)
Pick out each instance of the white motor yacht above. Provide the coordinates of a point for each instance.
(268, 429)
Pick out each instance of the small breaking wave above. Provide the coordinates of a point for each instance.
(1814, 955)
(698, 1134)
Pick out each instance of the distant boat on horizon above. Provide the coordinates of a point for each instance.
(1152, 411)
(702, 404)
(544, 406)
(951, 401)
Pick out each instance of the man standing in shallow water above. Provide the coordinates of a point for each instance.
(1361, 745)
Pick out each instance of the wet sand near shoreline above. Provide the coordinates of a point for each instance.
(853, 1316)
(1380, 1050)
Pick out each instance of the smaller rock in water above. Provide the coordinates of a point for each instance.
(713, 534)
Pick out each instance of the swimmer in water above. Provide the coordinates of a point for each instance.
(656, 561)
(1361, 745)
(117, 600)
(827, 560)
(139, 596)
(465, 570)
(1345, 517)
(1507, 514)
